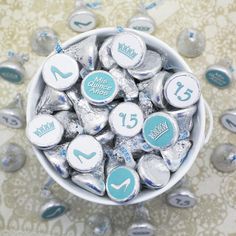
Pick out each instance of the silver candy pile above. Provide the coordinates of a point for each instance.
(112, 118)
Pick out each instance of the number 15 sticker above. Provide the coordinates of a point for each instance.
(182, 90)
(126, 119)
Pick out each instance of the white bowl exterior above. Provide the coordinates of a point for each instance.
(197, 134)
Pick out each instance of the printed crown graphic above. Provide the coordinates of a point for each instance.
(127, 50)
(44, 129)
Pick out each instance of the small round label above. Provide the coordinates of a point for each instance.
(126, 119)
(11, 121)
(160, 130)
(228, 120)
(142, 230)
(99, 87)
(10, 75)
(122, 183)
(182, 90)
(44, 131)
(128, 50)
(217, 78)
(53, 212)
(82, 21)
(181, 200)
(84, 153)
(142, 24)
(60, 72)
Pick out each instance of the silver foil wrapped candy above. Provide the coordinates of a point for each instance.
(57, 157)
(53, 100)
(85, 52)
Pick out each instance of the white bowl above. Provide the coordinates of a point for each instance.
(197, 134)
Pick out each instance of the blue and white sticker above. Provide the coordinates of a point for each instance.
(182, 90)
(122, 184)
(99, 87)
(10, 74)
(160, 130)
(228, 120)
(60, 72)
(218, 77)
(126, 119)
(84, 153)
(82, 20)
(52, 210)
(44, 131)
(128, 50)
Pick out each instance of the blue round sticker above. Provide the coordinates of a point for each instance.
(53, 212)
(122, 184)
(218, 78)
(10, 75)
(160, 130)
(99, 87)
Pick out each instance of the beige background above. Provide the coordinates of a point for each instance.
(215, 213)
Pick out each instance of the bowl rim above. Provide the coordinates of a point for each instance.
(72, 188)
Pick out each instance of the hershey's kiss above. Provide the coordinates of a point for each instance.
(13, 115)
(191, 43)
(43, 41)
(12, 157)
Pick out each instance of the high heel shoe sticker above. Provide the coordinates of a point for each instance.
(55, 71)
(125, 183)
(79, 154)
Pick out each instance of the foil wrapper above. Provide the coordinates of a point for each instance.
(184, 119)
(57, 157)
(12, 157)
(90, 182)
(153, 88)
(53, 100)
(85, 52)
(126, 83)
(145, 104)
(71, 124)
(105, 136)
(105, 56)
(151, 65)
(153, 171)
(93, 119)
(175, 155)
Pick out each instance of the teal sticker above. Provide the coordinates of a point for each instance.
(121, 184)
(10, 75)
(53, 212)
(99, 87)
(159, 131)
(218, 78)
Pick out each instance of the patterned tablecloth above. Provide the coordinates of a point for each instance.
(215, 213)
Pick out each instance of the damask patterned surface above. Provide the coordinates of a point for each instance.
(215, 213)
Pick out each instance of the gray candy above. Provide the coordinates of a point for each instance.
(175, 155)
(93, 119)
(105, 54)
(53, 100)
(126, 83)
(85, 52)
(71, 124)
(57, 157)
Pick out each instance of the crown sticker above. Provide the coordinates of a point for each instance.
(128, 50)
(44, 131)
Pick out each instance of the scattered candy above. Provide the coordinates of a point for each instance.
(141, 224)
(181, 198)
(12, 69)
(220, 74)
(228, 120)
(82, 19)
(120, 122)
(223, 158)
(191, 43)
(43, 41)
(12, 157)
(13, 114)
